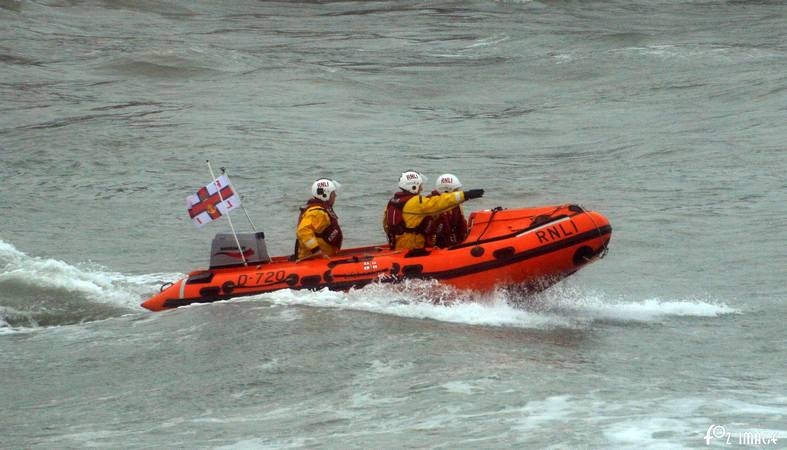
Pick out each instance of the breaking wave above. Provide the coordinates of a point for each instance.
(38, 291)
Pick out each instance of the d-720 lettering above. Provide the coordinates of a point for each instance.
(261, 278)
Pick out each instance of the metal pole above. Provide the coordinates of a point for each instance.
(224, 172)
(229, 219)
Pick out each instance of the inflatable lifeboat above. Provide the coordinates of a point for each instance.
(529, 248)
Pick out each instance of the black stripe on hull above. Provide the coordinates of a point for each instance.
(444, 275)
(339, 286)
(519, 257)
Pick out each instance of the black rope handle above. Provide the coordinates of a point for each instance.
(488, 223)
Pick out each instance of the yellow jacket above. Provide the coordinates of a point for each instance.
(420, 207)
(313, 222)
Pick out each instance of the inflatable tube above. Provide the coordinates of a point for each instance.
(530, 248)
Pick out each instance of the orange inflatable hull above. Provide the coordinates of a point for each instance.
(531, 248)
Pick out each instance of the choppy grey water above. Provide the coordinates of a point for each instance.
(666, 116)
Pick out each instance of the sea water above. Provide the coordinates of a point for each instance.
(668, 117)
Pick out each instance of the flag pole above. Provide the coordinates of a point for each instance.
(224, 172)
(229, 219)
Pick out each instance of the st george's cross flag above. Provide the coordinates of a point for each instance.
(206, 205)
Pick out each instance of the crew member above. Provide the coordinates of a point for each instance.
(404, 221)
(450, 227)
(318, 232)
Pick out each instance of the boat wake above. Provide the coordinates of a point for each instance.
(561, 306)
(37, 292)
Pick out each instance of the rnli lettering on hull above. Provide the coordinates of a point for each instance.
(555, 232)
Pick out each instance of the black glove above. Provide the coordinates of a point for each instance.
(474, 193)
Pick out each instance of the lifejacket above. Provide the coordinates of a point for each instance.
(450, 228)
(394, 219)
(332, 234)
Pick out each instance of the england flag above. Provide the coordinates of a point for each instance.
(207, 205)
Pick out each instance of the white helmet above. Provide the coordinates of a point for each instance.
(448, 183)
(322, 188)
(411, 180)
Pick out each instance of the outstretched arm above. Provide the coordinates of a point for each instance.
(444, 202)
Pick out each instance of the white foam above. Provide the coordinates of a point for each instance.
(563, 58)
(287, 315)
(538, 413)
(93, 282)
(259, 443)
(422, 300)
(5, 328)
(642, 432)
(650, 309)
(594, 306)
(558, 307)
(458, 387)
(384, 369)
(751, 408)
(7, 313)
(676, 422)
(663, 51)
(492, 40)
(268, 365)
